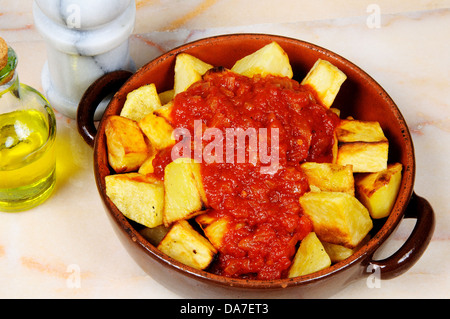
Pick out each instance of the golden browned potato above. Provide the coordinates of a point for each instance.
(214, 228)
(337, 218)
(184, 244)
(184, 194)
(196, 171)
(157, 130)
(138, 197)
(338, 253)
(364, 156)
(141, 102)
(147, 166)
(165, 111)
(326, 79)
(154, 235)
(126, 145)
(330, 177)
(166, 96)
(363, 145)
(270, 59)
(188, 70)
(359, 131)
(378, 191)
(310, 257)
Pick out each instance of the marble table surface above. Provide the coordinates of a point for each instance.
(404, 45)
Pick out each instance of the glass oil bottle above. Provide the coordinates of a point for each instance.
(27, 140)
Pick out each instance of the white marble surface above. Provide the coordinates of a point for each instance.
(405, 48)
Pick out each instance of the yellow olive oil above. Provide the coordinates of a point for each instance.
(27, 159)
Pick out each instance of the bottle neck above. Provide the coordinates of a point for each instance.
(11, 85)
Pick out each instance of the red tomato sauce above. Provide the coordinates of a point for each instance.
(266, 218)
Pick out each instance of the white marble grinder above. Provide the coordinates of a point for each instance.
(85, 39)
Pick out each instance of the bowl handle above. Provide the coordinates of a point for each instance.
(415, 245)
(95, 93)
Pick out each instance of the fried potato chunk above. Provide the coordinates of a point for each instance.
(126, 145)
(157, 130)
(141, 102)
(155, 234)
(338, 253)
(364, 157)
(363, 145)
(337, 218)
(166, 96)
(184, 244)
(138, 197)
(326, 79)
(188, 70)
(147, 166)
(270, 59)
(378, 191)
(330, 177)
(165, 111)
(184, 193)
(359, 131)
(310, 257)
(214, 228)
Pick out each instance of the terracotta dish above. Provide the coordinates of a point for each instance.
(360, 96)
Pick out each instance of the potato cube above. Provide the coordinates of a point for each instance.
(214, 228)
(197, 173)
(363, 156)
(147, 166)
(310, 257)
(326, 79)
(126, 145)
(188, 70)
(141, 102)
(359, 131)
(363, 145)
(184, 194)
(378, 191)
(165, 112)
(330, 177)
(270, 59)
(154, 235)
(184, 244)
(338, 253)
(166, 96)
(157, 130)
(139, 198)
(337, 218)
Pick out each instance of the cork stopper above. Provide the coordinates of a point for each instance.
(3, 53)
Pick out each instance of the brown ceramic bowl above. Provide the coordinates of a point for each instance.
(360, 96)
